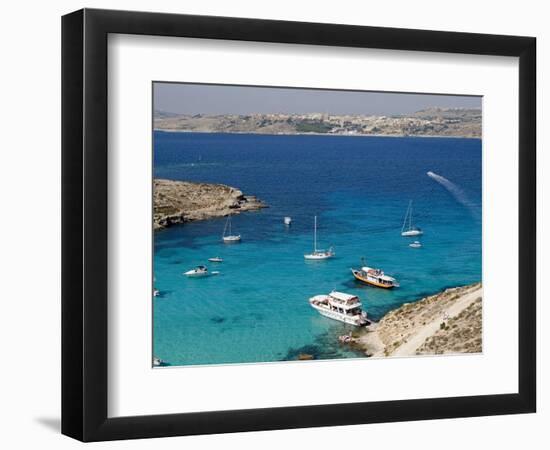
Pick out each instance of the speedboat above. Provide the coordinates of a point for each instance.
(415, 244)
(340, 306)
(288, 220)
(156, 292)
(374, 277)
(157, 362)
(216, 259)
(199, 271)
(318, 254)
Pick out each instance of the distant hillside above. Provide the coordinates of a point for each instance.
(455, 122)
(163, 114)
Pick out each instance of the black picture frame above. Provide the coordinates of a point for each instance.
(84, 224)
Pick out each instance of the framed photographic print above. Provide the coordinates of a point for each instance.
(274, 224)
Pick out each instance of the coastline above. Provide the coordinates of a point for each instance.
(178, 130)
(177, 202)
(448, 322)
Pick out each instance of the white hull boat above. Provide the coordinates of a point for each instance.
(409, 229)
(230, 238)
(288, 221)
(320, 254)
(317, 254)
(216, 259)
(415, 244)
(199, 271)
(340, 306)
(412, 233)
(157, 362)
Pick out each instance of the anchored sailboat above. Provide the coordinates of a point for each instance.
(318, 254)
(230, 238)
(409, 229)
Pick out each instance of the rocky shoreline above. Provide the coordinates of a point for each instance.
(176, 202)
(449, 322)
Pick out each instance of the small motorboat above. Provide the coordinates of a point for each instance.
(415, 244)
(157, 362)
(156, 292)
(288, 220)
(199, 271)
(216, 259)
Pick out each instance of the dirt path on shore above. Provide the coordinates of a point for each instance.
(425, 331)
(416, 328)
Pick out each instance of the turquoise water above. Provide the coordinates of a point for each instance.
(257, 309)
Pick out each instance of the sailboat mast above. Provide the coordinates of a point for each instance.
(315, 235)
(227, 222)
(411, 215)
(406, 217)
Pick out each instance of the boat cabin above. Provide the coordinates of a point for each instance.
(344, 303)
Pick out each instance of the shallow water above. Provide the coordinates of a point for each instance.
(256, 310)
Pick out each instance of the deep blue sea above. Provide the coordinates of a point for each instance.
(257, 309)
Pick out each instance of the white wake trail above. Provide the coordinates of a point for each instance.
(457, 193)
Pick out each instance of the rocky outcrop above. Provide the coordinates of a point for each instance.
(177, 202)
(448, 322)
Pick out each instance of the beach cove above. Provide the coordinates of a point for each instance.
(256, 310)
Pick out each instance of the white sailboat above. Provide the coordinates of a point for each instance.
(409, 229)
(230, 238)
(318, 254)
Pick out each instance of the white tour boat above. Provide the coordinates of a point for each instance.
(199, 271)
(318, 254)
(409, 229)
(340, 306)
(415, 244)
(230, 238)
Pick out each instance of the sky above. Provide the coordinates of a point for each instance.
(215, 99)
